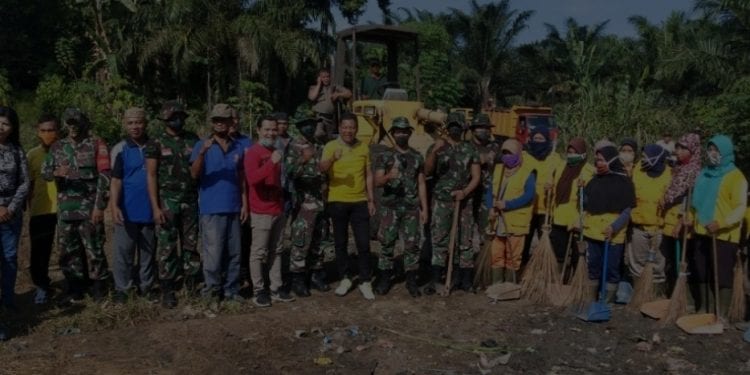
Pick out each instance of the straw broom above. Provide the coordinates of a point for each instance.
(737, 307)
(644, 290)
(579, 284)
(540, 278)
(678, 299)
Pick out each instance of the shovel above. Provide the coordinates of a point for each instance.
(705, 324)
(599, 311)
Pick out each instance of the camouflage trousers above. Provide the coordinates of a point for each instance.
(307, 232)
(181, 224)
(481, 215)
(82, 250)
(442, 216)
(395, 223)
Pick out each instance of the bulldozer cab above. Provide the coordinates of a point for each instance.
(375, 113)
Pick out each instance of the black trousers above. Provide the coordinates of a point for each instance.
(42, 235)
(356, 215)
(559, 237)
(701, 261)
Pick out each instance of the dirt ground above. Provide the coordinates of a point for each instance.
(325, 334)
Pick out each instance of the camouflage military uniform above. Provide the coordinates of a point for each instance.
(308, 211)
(178, 201)
(86, 187)
(479, 208)
(399, 207)
(452, 172)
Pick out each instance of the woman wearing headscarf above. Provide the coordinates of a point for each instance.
(674, 203)
(719, 202)
(651, 181)
(607, 201)
(542, 158)
(628, 156)
(573, 173)
(512, 198)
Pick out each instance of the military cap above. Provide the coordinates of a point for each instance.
(221, 110)
(481, 120)
(170, 108)
(455, 118)
(401, 122)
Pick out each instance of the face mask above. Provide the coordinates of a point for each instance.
(626, 157)
(47, 138)
(266, 142)
(402, 140)
(511, 160)
(539, 149)
(714, 160)
(574, 159)
(683, 159)
(176, 123)
(307, 131)
(482, 135)
(455, 132)
(76, 128)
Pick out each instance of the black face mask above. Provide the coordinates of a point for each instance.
(402, 140)
(455, 132)
(483, 135)
(307, 132)
(176, 123)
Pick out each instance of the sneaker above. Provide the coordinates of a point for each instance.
(40, 297)
(262, 299)
(344, 285)
(120, 298)
(281, 296)
(366, 290)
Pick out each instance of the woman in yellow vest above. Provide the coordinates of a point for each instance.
(674, 203)
(512, 198)
(607, 201)
(651, 181)
(719, 201)
(573, 172)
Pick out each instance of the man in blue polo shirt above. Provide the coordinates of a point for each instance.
(216, 163)
(131, 210)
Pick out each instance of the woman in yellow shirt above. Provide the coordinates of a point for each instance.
(607, 200)
(719, 201)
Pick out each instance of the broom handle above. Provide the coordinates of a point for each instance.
(684, 228)
(548, 206)
(452, 243)
(567, 258)
(716, 276)
(580, 213)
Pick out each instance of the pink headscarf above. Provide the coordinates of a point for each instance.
(684, 175)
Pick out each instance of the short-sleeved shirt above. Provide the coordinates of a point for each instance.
(173, 154)
(370, 86)
(402, 191)
(129, 165)
(244, 141)
(453, 168)
(44, 193)
(323, 103)
(219, 184)
(346, 178)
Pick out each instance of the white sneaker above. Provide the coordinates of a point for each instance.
(344, 285)
(366, 290)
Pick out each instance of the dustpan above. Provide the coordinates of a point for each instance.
(599, 311)
(655, 309)
(504, 291)
(705, 324)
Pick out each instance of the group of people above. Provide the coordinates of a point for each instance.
(166, 189)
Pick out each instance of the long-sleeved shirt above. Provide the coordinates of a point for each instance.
(263, 177)
(14, 177)
(529, 190)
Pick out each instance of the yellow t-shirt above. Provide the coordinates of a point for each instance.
(44, 193)
(346, 178)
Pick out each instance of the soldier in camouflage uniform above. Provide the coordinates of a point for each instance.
(481, 131)
(79, 165)
(308, 212)
(174, 199)
(400, 172)
(455, 166)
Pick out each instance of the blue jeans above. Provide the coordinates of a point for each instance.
(220, 237)
(10, 233)
(595, 255)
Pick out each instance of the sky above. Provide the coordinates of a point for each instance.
(555, 12)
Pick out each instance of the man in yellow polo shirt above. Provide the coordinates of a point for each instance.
(42, 209)
(350, 202)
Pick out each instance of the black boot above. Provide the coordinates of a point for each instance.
(99, 290)
(384, 282)
(75, 291)
(299, 287)
(467, 280)
(437, 274)
(168, 297)
(318, 281)
(411, 284)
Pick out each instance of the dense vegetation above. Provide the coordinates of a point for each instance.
(689, 71)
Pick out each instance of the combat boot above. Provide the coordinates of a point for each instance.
(411, 284)
(168, 297)
(466, 282)
(75, 291)
(299, 287)
(191, 285)
(384, 282)
(318, 281)
(99, 290)
(437, 274)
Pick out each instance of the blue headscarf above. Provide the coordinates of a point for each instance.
(709, 180)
